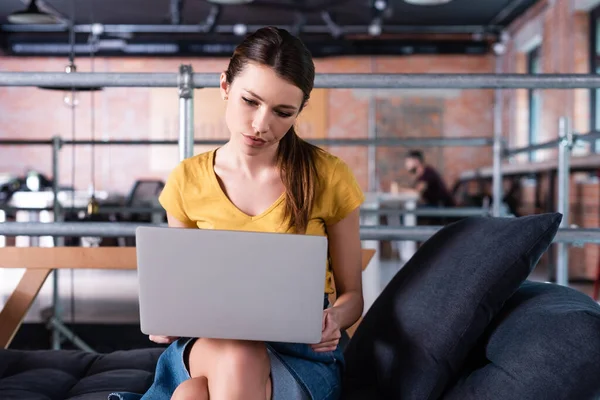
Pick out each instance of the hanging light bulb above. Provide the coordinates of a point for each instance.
(93, 206)
(70, 96)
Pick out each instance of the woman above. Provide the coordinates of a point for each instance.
(265, 178)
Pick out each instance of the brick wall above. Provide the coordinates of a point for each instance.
(565, 48)
(142, 113)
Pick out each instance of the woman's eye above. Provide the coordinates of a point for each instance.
(254, 104)
(283, 114)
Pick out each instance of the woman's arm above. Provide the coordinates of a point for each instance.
(345, 251)
(175, 223)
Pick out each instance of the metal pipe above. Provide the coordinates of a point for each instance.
(497, 182)
(175, 9)
(57, 326)
(564, 154)
(84, 79)
(26, 142)
(406, 141)
(56, 145)
(575, 236)
(331, 81)
(124, 229)
(506, 11)
(186, 112)
(56, 311)
(533, 147)
(462, 212)
(232, 29)
(372, 150)
(589, 137)
(385, 142)
(101, 229)
(423, 212)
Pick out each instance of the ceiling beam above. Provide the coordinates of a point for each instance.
(506, 12)
(231, 29)
(224, 48)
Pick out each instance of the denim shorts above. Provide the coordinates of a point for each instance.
(297, 372)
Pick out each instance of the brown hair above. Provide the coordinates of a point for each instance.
(292, 61)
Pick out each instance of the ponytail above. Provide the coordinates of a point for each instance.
(296, 159)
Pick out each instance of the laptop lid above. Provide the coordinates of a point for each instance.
(231, 284)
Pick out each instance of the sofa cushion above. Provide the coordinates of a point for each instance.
(544, 344)
(74, 375)
(416, 336)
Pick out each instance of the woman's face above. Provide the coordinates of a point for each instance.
(261, 107)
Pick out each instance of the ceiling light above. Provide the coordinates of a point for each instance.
(380, 5)
(427, 2)
(375, 29)
(32, 15)
(240, 29)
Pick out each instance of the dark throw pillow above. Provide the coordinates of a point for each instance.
(544, 344)
(416, 336)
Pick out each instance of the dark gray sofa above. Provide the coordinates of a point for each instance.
(459, 321)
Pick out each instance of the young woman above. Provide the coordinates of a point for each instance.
(266, 179)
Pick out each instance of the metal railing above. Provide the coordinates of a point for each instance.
(456, 212)
(367, 232)
(187, 81)
(331, 81)
(381, 141)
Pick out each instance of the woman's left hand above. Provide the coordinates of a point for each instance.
(330, 338)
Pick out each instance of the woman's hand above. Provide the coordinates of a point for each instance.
(163, 339)
(330, 338)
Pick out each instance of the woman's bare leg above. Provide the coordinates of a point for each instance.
(234, 369)
(192, 389)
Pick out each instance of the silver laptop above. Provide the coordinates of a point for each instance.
(231, 284)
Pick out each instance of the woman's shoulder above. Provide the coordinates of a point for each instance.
(195, 167)
(327, 162)
(340, 192)
(330, 166)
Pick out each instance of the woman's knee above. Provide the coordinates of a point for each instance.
(244, 358)
(192, 389)
(233, 358)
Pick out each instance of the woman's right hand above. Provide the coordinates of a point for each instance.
(163, 339)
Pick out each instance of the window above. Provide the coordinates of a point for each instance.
(534, 100)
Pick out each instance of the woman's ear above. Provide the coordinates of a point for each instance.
(224, 86)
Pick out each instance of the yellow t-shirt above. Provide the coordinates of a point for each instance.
(192, 194)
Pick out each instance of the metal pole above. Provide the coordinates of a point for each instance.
(120, 229)
(589, 137)
(497, 148)
(56, 145)
(58, 241)
(423, 212)
(564, 153)
(372, 150)
(186, 112)
(331, 81)
(201, 28)
(59, 327)
(370, 141)
(102, 229)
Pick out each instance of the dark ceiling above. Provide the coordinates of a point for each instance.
(202, 28)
